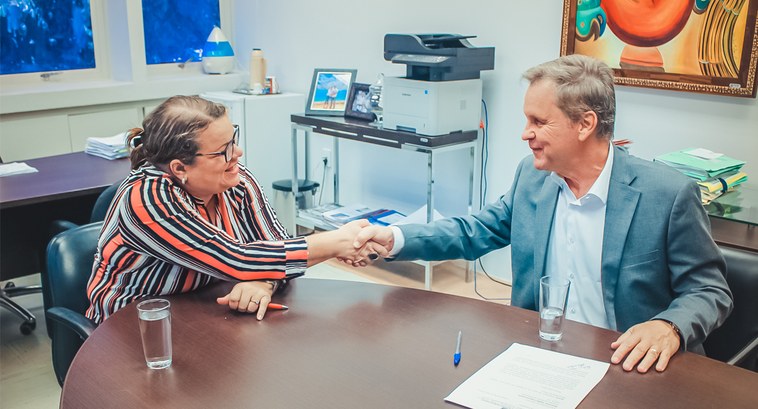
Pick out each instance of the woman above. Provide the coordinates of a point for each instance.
(189, 213)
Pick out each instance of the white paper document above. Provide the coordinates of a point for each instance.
(526, 377)
(15, 168)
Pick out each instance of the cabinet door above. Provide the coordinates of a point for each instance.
(29, 138)
(101, 124)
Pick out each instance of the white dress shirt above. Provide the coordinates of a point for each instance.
(576, 245)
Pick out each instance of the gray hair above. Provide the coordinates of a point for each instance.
(170, 131)
(582, 84)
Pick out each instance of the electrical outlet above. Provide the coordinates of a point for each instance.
(326, 154)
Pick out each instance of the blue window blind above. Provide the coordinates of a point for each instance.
(176, 30)
(45, 35)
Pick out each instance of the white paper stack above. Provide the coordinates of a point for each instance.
(15, 168)
(113, 147)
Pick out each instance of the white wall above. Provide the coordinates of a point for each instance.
(299, 35)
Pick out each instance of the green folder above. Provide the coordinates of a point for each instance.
(699, 168)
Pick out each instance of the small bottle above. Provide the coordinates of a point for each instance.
(257, 71)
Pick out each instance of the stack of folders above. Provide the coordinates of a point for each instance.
(112, 147)
(716, 173)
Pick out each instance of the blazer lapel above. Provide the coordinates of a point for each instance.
(546, 202)
(620, 208)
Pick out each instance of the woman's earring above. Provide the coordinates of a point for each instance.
(184, 180)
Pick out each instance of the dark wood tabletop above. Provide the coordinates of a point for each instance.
(355, 345)
(61, 177)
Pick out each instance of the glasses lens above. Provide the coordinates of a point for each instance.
(229, 152)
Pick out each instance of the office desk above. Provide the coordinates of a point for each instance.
(65, 187)
(734, 217)
(355, 345)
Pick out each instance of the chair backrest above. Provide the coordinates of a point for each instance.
(70, 257)
(103, 202)
(741, 328)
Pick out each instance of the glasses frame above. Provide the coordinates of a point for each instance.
(228, 151)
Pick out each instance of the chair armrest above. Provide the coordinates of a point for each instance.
(750, 350)
(59, 226)
(81, 325)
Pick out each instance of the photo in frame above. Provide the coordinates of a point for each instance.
(329, 89)
(706, 46)
(359, 103)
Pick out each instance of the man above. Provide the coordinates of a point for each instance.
(630, 234)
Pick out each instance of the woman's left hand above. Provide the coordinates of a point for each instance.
(249, 296)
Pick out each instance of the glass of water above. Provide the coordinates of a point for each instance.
(553, 298)
(155, 328)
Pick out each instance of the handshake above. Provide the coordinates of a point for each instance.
(359, 242)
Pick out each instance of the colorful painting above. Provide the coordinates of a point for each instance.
(687, 45)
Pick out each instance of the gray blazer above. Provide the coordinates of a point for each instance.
(658, 259)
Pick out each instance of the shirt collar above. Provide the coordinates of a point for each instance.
(599, 189)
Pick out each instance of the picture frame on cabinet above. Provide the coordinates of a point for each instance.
(329, 91)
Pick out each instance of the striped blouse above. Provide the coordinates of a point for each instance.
(157, 240)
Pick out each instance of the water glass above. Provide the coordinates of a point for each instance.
(155, 328)
(553, 298)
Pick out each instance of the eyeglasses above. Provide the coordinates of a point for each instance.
(228, 151)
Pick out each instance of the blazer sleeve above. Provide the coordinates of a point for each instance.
(702, 299)
(467, 237)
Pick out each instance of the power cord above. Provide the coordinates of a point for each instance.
(482, 198)
(323, 179)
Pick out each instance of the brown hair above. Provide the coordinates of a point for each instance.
(169, 132)
(582, 84)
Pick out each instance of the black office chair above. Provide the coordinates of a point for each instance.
(99, 210)
(736, 342)
(70, 256)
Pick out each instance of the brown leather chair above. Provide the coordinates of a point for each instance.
(736, 342)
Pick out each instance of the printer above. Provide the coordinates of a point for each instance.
(442, 90)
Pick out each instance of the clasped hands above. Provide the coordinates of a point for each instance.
(366, 242)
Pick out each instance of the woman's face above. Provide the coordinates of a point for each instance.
(211, 173)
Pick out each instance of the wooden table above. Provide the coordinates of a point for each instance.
(64, 188)
(355, 345)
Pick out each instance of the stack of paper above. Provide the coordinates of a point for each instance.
(700, 164)
(15, 168)
(113, 147)
(716, 173)
(712, 188)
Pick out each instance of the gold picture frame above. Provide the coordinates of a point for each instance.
(705, 46)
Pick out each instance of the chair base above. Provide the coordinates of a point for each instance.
(10, 290)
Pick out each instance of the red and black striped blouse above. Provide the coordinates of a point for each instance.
(157, 240)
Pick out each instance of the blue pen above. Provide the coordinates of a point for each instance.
(457, 355)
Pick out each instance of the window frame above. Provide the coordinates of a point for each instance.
(115, 23)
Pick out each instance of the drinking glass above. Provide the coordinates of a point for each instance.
(155, 328)
(553, 298)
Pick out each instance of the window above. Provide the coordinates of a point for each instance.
(45, 35)
(176, 30)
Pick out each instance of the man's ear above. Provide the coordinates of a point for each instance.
(587, 125)
(177, 169)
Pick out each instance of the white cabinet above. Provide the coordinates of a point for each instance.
(264, 122)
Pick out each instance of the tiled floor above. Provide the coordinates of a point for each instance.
(27, 380)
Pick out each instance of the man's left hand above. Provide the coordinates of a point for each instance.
(645, 344)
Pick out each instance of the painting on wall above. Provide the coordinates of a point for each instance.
(706, 46)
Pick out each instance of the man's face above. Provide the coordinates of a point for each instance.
(552, 136)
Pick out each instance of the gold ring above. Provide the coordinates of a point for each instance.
(654, 351)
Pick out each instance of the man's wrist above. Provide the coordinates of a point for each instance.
(675, 329)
